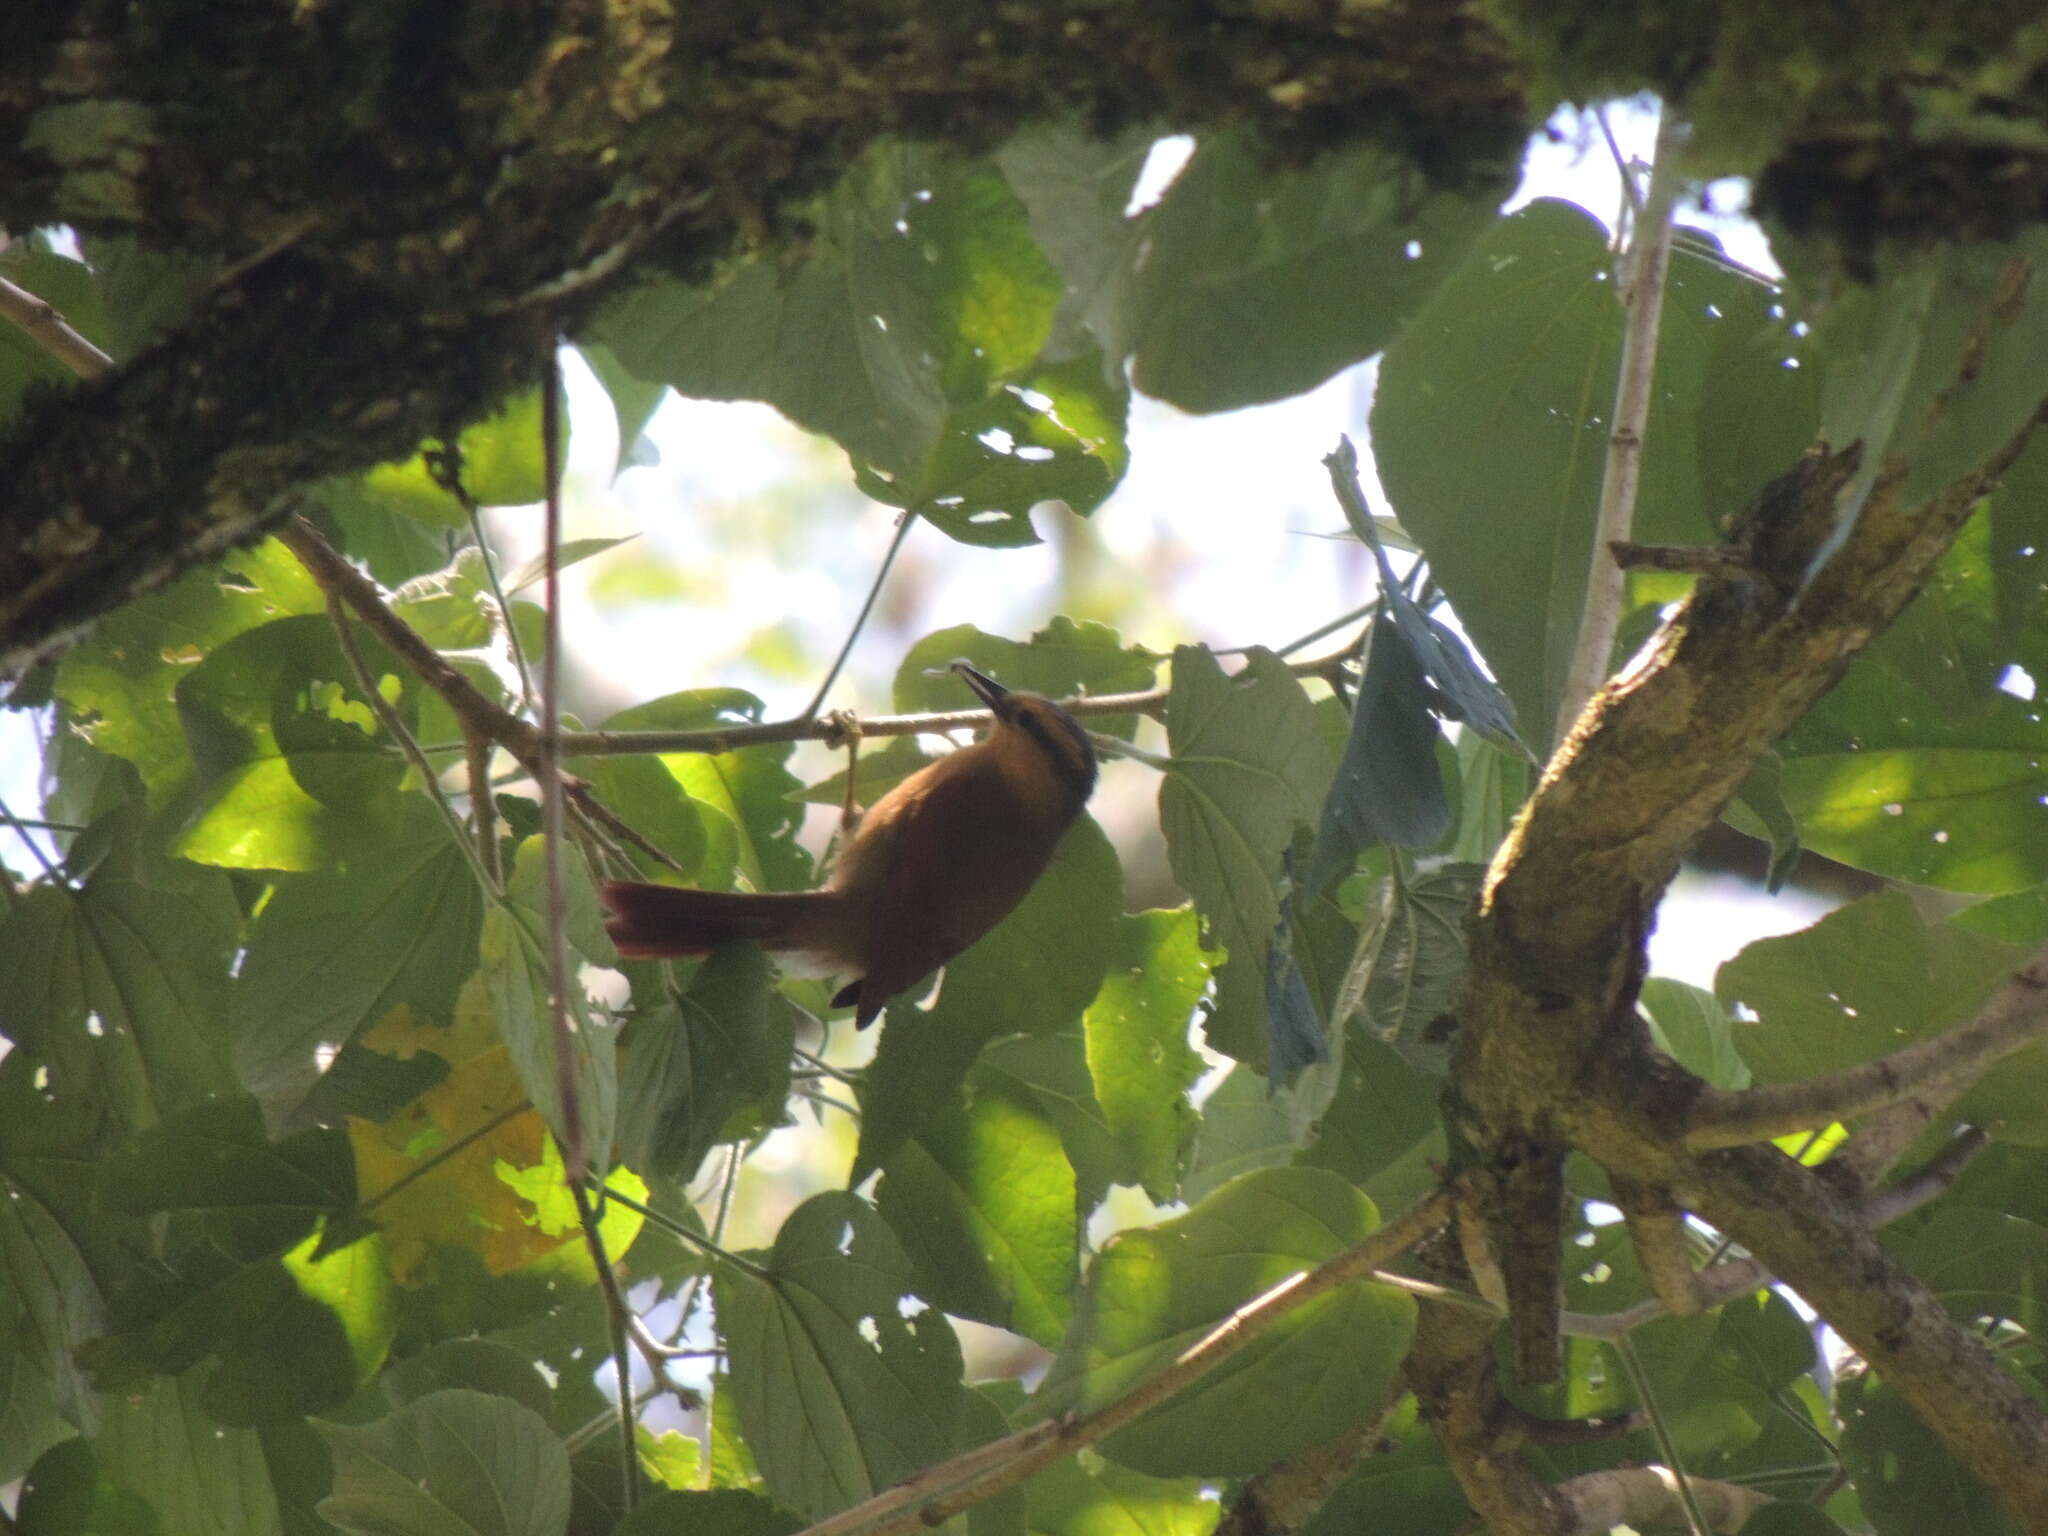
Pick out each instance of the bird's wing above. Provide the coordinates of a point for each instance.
(943, 846)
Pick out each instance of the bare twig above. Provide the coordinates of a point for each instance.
(939, 1492)
(43, 324)
(1639, 1379)
(1931, 1179)
(49, 869)
(476, 715)
(904, 523)
(619, 1321)
(408, 746)
(1642, 298)
(2016, 1015)
(575, 1155)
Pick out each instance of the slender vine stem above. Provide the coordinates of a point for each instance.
(575, 1155)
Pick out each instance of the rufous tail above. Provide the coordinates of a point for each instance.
(652, 922)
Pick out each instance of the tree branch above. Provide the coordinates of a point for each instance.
(1642, 306)
(1652, 1496)
(44, 325)
(939, 1492)
(2016, 1016)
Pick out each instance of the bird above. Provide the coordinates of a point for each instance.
(932, 866)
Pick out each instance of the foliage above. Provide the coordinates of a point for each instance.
(286, 1235)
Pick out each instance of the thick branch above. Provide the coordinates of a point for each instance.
(1649, 1496)
(2016, 1016)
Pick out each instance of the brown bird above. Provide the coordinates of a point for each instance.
(937, 862)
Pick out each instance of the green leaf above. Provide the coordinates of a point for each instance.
(1463, 691)
(1411, 960)
(29, 1421)
(1033, 973)
(1384, 1111)
(1060, 660)
(501, 466)
(119, 680)
(982, 1200)
(716, 813)
(373, 528)
(215, 1160)
(1050, 1073)
(160, 1444)
(1138, 1051)
(1055, 433)
(292, 1333)
(1908, 1482)
(1252, 281)
(571, 552)
(1496, 396)
(713, 1067)
(634, 401)
(1694, 1030)
(1916, 765)
(395, 922)
(515, 972)
(57, 1303)
(450, 1462)
(1245, 1126)
(923, 293)
(1981, 1263)
(483, 1365)
(1759, 809)
(840, 1393)
(1068, 1499)
(66, 1495)
(293, 766)
(1156, 1291)
(118, 990)
(1387, 788)
(146, 292)
(1866, 980)
(1249, 765)
(1936, 363)
(709, 1512)
(1492, 785)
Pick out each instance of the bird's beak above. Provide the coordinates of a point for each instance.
(991, 692)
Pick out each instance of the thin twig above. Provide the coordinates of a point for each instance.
(2016, 1015)
(475, 714)
(483, 806)
(498, 595)
(904, 524)
(45, 325)
(441, 1155)
(387, 716)
(618, 1316)
(1151, 702)
(697, 1240)
(575, 1155)
(1625, 1347)
(31, 844)
(1649, 258)
(939, 1492)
